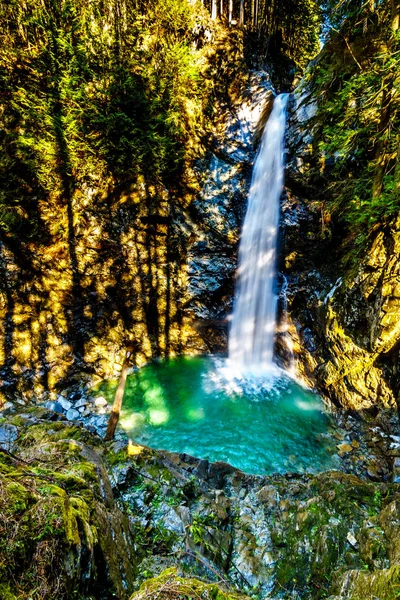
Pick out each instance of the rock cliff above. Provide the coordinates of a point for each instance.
(155, 265)
(343, 316)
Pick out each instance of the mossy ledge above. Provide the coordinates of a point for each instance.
(61, 533)
(169, 586)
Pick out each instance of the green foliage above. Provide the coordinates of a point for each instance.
(93, 92)
(355, 82)
(301, 31)
(99, 94)
(285, 38)
(198, 530)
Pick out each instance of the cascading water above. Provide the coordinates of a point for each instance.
(251, 339)
(216, 409)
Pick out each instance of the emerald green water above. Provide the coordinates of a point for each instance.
(260, 425)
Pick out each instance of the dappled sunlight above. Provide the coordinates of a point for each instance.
(195, 414)
(131, 420)
(134, 449)
(91, 174)
(158, 416)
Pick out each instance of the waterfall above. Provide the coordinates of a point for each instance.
(251, 339)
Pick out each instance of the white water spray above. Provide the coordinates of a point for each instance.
(251, 339)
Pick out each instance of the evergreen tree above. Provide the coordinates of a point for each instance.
(356, 85)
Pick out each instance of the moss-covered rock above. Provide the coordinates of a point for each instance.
(362, 585)
(343, 314)
(169, 586)
(82, 520)
(61, 532)
(286, 536)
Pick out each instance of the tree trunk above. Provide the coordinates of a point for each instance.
(397, 167)
(241, 18)
(230, 12)
(380, 155)
(117, 404)
(395, 15)
(214, 9)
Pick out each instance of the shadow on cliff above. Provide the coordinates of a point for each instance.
(20, 223)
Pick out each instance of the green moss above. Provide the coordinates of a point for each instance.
(18, 496)
(86, 469)
(32, 529)
(70, 480)
(53, 518)
(39, 432)
(81, 513)
(116, 458)
(169, 585)
(5, 592)
(363, 585)
(311, 535)
(17, 420)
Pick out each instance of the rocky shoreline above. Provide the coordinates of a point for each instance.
(281, 536)
(365, 445)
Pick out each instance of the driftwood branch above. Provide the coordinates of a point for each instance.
(118, 398)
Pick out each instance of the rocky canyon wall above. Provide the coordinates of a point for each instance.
(344, 321)
(137, 264)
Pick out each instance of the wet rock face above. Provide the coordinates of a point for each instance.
(344, 326)
(154, 266)
(220, 206)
